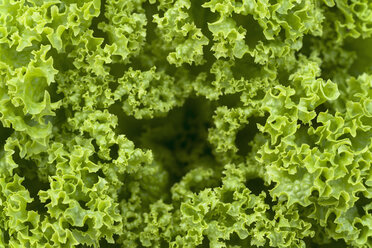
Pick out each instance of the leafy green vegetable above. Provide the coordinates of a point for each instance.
(185, 123)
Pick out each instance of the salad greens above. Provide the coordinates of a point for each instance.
(185, 123)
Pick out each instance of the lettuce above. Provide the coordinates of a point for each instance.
(185, 123)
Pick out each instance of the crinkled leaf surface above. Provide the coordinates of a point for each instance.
(185, 123)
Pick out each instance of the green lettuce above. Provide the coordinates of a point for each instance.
(185, 123)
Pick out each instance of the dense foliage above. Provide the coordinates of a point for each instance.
(185, 123)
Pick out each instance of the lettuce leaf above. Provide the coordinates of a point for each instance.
(185, 123)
